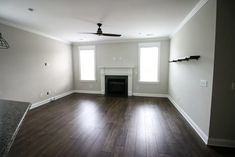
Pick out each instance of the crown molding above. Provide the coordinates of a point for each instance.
(197, 7)
(2, 21)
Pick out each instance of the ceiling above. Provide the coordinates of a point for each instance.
(64, 19)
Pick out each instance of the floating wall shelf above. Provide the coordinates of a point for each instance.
(185, 59)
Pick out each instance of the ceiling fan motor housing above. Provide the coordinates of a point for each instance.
(99, 31)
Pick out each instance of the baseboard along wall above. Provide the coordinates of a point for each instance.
(203, 136)
(198, 130)
(37, 104)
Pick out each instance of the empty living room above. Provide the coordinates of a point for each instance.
(117, 78)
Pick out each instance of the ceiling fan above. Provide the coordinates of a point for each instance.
(100, 32)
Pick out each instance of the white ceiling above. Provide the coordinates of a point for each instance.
(64, 19)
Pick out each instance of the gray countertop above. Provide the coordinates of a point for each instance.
(12, 114)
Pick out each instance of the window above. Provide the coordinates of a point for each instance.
(87, 63)
(149, 62)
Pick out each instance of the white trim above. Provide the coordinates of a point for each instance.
(32, 31)
(197, 7)
(221, 142)
(37, 104)
(128, 71)
(198, 130)
(150, 95)
(87, 92)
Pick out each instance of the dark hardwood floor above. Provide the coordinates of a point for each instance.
(82, 125)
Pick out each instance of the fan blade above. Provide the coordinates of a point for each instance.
(88, 33)
(111, 35)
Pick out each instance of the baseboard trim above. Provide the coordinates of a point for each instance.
(129, 93)
(221, 142)
(87, 92)
(37, 104)
(150, 95)
(202, 135)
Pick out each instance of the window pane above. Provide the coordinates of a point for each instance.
(149, 64)
(87, 64)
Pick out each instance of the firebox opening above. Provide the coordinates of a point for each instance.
(116, 85)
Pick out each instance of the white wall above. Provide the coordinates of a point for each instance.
(126, 54)
(196, 37)
(23, 75)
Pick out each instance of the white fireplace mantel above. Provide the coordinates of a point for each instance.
(117, 70)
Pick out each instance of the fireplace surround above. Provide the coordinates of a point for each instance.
(117, 71)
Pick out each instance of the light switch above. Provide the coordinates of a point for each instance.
(203, 83)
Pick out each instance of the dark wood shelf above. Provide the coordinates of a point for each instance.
(185, 59)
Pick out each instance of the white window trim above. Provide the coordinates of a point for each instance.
(87, 48)
(141, 45)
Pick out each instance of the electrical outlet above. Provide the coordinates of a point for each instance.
(52, 99)
(41, 95)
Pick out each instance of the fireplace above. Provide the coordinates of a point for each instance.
(117, 71)
(116, 85)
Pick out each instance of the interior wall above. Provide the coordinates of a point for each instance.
(23, 75)
(222, 125)
(124, 54)
(196, 37)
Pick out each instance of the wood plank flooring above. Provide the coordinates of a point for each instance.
(82, 125)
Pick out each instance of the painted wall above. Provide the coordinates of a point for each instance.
(23, 75)
(222, 128)
(196, 37)
(124, 54)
